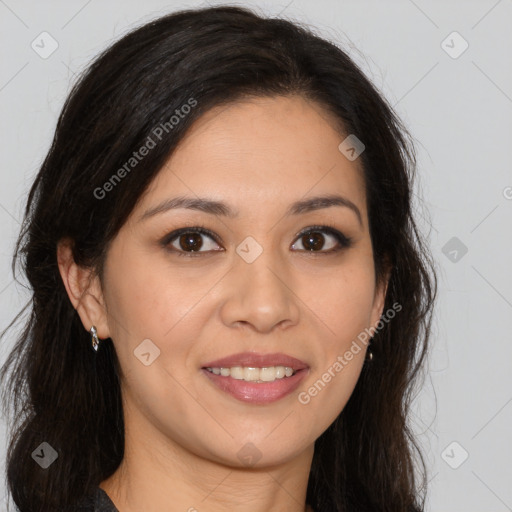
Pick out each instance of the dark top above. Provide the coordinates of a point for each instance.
(98, 501)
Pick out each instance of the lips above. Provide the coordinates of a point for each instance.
(255, 360)
(257, 393)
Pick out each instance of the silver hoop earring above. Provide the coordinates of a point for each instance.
(94, 338)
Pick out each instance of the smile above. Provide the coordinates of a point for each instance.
(268, 374)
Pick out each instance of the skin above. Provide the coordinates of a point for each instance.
(182, 433)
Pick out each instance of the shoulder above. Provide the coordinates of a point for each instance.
(96, 501)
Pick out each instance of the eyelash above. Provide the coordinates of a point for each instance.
(343, 241)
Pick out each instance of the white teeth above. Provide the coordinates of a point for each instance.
(237, 372)
(252, 374)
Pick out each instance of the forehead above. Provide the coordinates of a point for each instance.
(261, 152)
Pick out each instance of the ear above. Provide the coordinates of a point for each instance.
(84, 290)
(379, 299)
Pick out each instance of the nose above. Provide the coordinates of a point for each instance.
(260, 295)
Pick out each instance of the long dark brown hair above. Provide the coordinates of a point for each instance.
(63, 393)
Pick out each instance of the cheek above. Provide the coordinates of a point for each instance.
(148, 300)
(150, 312)
(168, 307)
(342, 299)
(344, 307)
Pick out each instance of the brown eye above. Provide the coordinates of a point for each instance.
(190, 242)
(313, 240)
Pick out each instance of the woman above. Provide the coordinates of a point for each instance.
(231, 299)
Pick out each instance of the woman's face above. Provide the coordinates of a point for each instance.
(175, 305)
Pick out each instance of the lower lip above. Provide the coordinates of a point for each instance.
(257, 393)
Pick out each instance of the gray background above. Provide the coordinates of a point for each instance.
(459, 109)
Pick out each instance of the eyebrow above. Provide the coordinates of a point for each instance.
(219, 208)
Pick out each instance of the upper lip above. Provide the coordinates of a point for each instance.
(255, 360)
